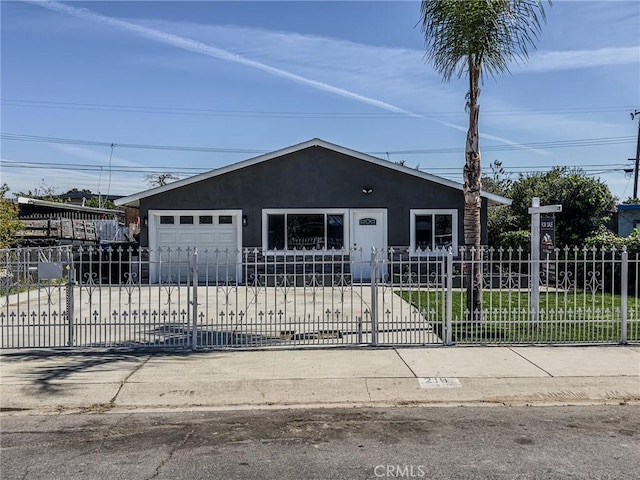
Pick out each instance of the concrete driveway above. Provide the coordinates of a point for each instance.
(225, 315)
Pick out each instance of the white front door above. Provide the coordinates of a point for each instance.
(368, 231)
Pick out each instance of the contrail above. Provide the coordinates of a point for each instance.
(202, 48)
(493, 137)
(199, 47)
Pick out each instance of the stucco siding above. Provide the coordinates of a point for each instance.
(312, 178)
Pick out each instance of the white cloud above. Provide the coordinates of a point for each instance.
(400, 75)
(25, 179)
(393, 79)
(578, 59)
(199, 47)
(95, 156)
(297, 50)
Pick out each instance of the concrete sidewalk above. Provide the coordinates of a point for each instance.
(47, 381)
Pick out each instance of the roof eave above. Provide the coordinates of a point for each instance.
(494, 199)
(134, 200)
(66, 206)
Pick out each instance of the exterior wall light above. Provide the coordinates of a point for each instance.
(367, 190)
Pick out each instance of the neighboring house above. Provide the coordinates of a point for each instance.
(628, 219)
(55, 223)
(314, 196)
(79, 198)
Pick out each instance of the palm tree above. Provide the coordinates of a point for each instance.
(476, 38)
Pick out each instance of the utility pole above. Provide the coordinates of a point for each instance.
(637, 159)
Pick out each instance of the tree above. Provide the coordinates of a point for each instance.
(476, 38)
(499, 217)
(499, 182)
(42, 192)
(9, 222)
(587, 203)
(160, 179)
(99, 202)
(84, 191)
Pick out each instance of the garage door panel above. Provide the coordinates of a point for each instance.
(185, 239)
(217, 245)
(228, 240)
(216, 240)
(166, 238)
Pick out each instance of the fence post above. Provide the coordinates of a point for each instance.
(449, 280)
(374, 297)
(623, 300)
(194, 301)
(535, 260)
(70, 303)
(535, 210)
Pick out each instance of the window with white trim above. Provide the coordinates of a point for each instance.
(304, 230)
(434, 229)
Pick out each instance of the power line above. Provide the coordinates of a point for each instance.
(489, 148)
(447, 172)
(92, 143)
(587, 142)
(167, 110)
(513, 170)
(94, 168)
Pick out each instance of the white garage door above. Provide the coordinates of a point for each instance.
(215, 234)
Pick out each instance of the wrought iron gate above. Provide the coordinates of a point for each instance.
(90, 297)
(106, 297)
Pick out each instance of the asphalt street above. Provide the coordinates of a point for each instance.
(577, 442)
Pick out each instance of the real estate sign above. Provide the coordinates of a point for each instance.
(547, 247)
(547, 235)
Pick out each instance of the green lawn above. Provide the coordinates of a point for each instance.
(575, 317)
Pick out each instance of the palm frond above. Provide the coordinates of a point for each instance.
(489, 34)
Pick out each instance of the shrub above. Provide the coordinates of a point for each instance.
(516, 239)
(604, 237)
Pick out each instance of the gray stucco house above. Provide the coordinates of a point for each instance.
(314, 196)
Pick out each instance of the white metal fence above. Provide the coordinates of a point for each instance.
(55, 297)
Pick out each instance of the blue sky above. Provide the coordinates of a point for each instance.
(186, 87)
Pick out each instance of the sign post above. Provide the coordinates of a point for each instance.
(535, 210)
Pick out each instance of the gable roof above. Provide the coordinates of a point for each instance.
(134, 200)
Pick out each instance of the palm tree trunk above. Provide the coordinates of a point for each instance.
(472, 189)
